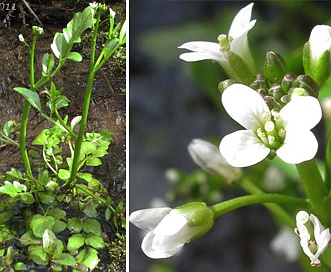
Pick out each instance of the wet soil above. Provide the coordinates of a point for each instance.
(108, 104)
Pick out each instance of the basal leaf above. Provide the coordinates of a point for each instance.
(75, 242)
(95, 241)
(64, 259)
(92, 226)
(39, 224)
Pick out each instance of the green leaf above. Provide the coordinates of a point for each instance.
(75, 56)
(46, 198)
(20, 267)
(39, 224)
(38, 255)
(75, 242)
(88, 256)
(93, 162)
(50, 243)
(95, 241)
(65, 259)
(88, 148)
(64, 174)
(74, 225)
(8, 127)
(85, 176)
(41, 138)
(79, 23)
(59, 46)
(57, 213)
(31, 96)
(47, 63)
(92, 226)
(27, 198)
(59, 226)
(75, 121)
(28, 238)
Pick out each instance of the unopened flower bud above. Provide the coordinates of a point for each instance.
(224, 84)
(274, 67)
(287, 81)
(209, 158)
(21, 38)
(276, 91)
(37, 30)
(307, 83)
(316, 54)
(170, 229)
(259, 82)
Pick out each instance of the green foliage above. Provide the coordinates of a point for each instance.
(55, 219)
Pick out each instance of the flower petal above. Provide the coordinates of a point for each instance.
(302, 112)
(148, 218)
(242, 148)
(244, 105)
(201, 51)
(299, 146)
(241, 23)
(171, 224)
(320, 40)
(153, 249)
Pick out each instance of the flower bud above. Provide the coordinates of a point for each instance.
(200, 218)
(276, 91)
(287, 82)
(209, 158)
(316, 54)
(224, 84)
(170, 229)
(274, 67)
(307, 83)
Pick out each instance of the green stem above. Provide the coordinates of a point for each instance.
(25, 116)
(87, 99)
(242, 201)
(315, 188)
(275, 209)
(23, 130)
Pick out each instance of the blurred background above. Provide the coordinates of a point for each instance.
(173, 102)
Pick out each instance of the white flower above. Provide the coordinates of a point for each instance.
(313, 248)
(169, 229)
(285, 243)
(21, 38)
(286, 133)
(93, 5)
(237, 40)
(320, 40)
(208, 157)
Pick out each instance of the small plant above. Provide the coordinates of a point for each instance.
(51, 215)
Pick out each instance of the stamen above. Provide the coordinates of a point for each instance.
(266, 116)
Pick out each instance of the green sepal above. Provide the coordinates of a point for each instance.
(320, 69)
(241, 71)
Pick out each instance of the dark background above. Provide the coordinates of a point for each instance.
(170, 104)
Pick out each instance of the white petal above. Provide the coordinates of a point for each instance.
(153, 249)
(299, 146)
(302, 112)
(202, 51)
(171, 224)
(244, 105)
(148, 218)
(320, 40)
(241, 23)
(242, 148)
